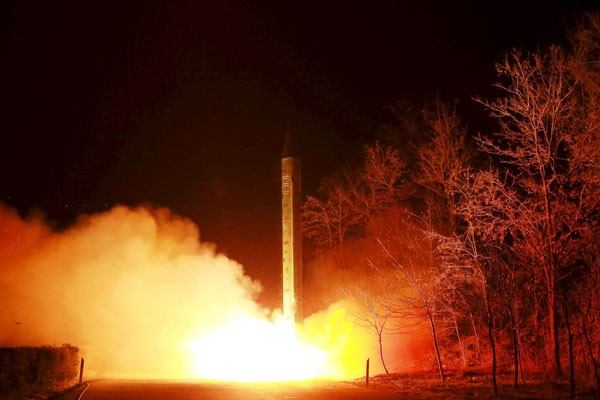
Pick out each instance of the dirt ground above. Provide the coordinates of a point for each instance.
(473, 386)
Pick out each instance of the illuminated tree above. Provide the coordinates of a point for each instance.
(368, 296)
(343, 210)
(346, 204)
(328, 220)
(442, 161)
(404, 253)
(505, 239)
(471, 251)
(546, 130)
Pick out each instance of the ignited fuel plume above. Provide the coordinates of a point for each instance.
(142, 296)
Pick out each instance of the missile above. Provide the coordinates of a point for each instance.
(291, 231)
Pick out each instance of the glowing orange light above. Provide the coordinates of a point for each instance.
(255, 349)
(252, 349)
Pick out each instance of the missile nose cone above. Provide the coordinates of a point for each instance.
(290, 145)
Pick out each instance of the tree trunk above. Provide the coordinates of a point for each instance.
(490, 323)
(435, 345)
(595, 362)
(476, 334)
(460, 343)
(379, 337)
(571, 365)
(515, 346)
(520, 346)
(597, 373)
(521, 356)
(555, 336)
(549, 233)
(571, 351)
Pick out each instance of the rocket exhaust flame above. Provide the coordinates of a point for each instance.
(139, 293)
(267, 351)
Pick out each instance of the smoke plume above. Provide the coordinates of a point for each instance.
(128, 286)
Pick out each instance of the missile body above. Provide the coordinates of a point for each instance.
(291, 236)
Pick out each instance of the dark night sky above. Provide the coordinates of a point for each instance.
(183, 103)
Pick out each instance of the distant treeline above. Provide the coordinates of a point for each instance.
(29, 371)
(488, 243)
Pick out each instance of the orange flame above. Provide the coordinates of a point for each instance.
(251, 349)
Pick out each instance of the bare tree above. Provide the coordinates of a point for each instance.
(346, 204)
(330, 219)
(544, 142)
(400, 239)
(443, 159)
(442, 162)
(471, 252)
(508, 248)
(588, 320)
(379, 184)
(368, 295)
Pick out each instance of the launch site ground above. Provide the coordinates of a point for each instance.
(395, 387)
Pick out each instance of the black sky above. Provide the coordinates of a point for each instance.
(183, 103)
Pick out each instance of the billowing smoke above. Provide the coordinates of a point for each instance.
(128, 286)
(141, 296)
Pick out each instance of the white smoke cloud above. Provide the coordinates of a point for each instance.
(128, 286)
